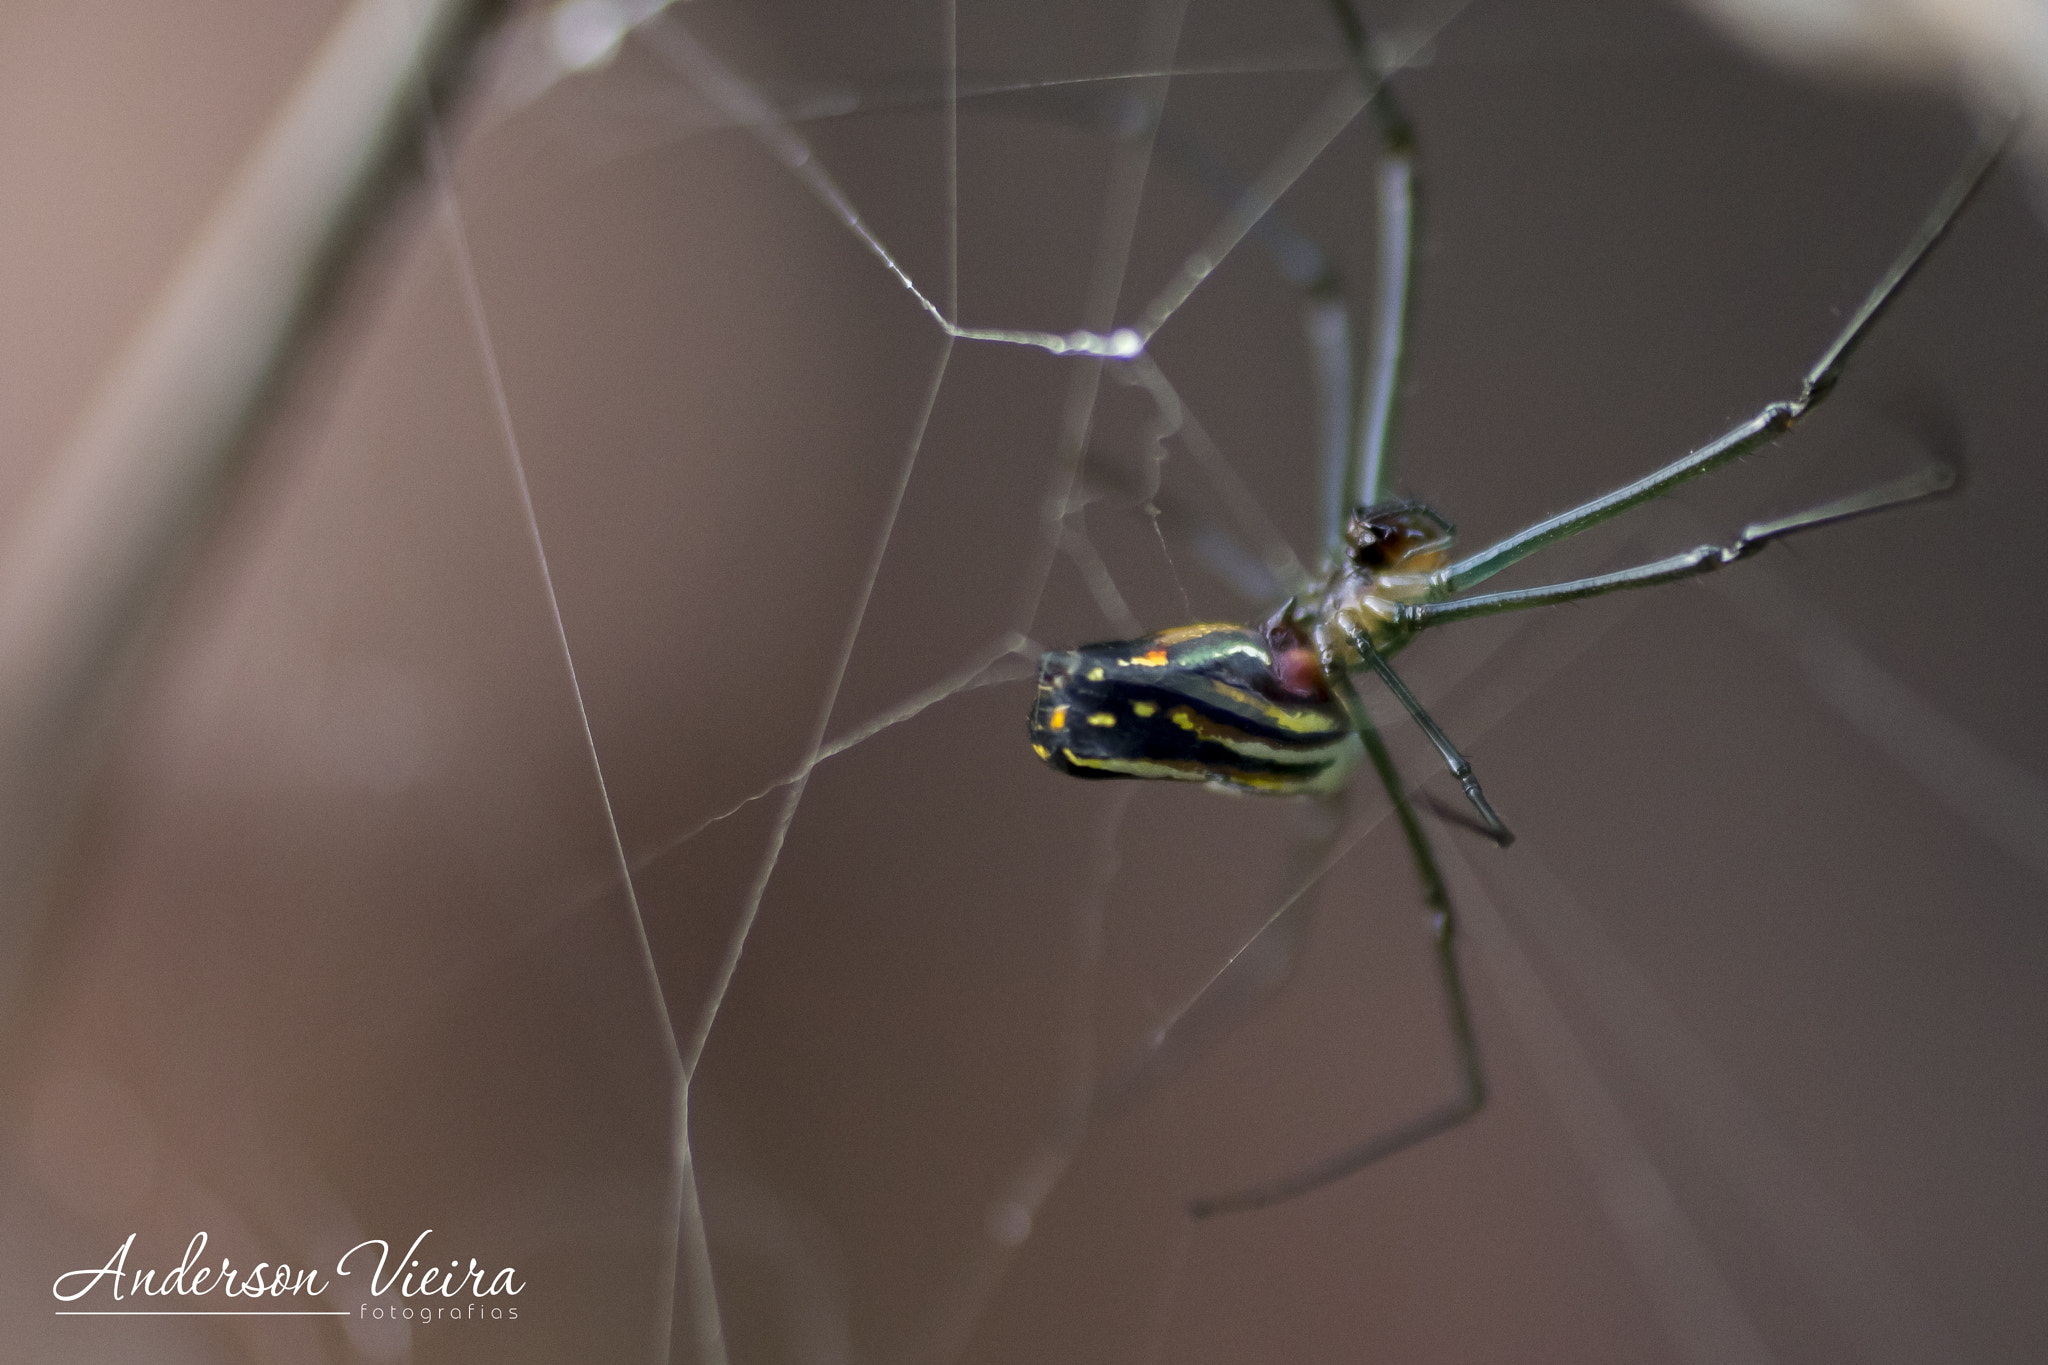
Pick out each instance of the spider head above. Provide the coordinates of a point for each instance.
(1397, 538)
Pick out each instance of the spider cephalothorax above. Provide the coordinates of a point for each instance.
(1391, 558)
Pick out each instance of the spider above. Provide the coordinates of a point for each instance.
(1275, 708)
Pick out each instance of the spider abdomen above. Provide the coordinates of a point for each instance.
(1201, 703)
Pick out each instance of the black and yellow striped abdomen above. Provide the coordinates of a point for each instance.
(1194, 704)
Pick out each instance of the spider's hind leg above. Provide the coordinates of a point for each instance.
(1471, 1090)
(1253, 976)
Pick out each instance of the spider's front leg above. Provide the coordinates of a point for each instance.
(1773, 421)
(1930, 482)
(1460, 766)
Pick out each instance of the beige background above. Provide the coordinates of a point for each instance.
(347, 955)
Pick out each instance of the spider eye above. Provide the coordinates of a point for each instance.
(1381, 537)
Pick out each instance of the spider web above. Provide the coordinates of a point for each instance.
(1700, 1313)
(804, 968)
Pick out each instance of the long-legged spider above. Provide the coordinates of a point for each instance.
(1275, 708)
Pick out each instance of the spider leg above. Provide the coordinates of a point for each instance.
(1304, 265)
(1930, 482)
(1452, 815)
(1471, 1075)
(1460, 766)
(1325, 314)
(1368, 467)
(1254, 974)
(1767, 425)
(1242, 548)
(1357, 458)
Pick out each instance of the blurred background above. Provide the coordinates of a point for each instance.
(345, 951)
